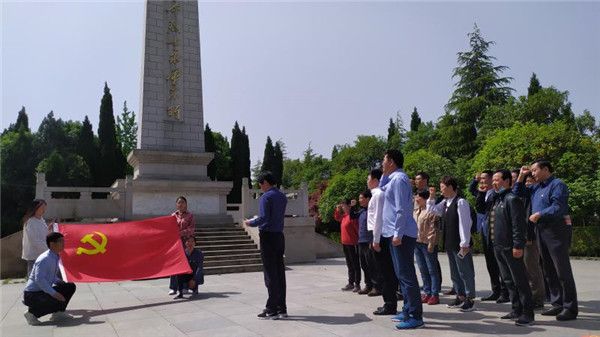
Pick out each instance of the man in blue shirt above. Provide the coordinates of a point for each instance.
(549, 211)
(399, 223)
(40, 295)
(272, 244)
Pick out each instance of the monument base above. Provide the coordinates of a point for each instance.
(162, 176)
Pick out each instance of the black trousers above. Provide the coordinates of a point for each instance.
(554, 241)
(353, 264)
(389, 281)
(514, 275)
(41, 304)
(491, 263)
(272, 247)
(182, 282)
(368, 265)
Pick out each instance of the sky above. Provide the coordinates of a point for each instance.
(317, 73)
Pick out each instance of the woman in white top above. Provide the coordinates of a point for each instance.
(35, 230)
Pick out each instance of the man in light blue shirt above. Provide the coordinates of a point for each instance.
(399, 223)
(44, 292)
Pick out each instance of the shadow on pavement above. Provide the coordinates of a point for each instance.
(331, 320)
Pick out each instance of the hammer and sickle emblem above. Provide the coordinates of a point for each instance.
(98, 247)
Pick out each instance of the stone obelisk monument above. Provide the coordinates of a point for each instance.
(170, 159)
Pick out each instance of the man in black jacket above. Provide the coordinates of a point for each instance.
(507, 231)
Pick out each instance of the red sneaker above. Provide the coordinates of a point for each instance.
(433, 300)
(425, 298)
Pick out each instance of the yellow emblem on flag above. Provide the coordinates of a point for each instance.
(98, 247)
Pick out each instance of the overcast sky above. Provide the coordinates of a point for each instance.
(301, 72)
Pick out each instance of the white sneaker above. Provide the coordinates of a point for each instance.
(172, 292)
(185, 291)
(59, 315)
(31, 319)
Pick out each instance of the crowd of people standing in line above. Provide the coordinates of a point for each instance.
(525, 229)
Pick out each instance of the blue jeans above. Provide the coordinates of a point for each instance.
(428, 265)
(403, 257)
(462, 273)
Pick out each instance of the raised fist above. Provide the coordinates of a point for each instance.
(432, 193)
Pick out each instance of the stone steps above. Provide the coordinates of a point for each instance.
(227, 249)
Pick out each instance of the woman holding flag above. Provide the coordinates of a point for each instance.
(187, 225)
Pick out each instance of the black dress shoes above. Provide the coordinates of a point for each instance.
(503, 299)
(566, 315)
(552, 312)
(384, 311)
(491, 297)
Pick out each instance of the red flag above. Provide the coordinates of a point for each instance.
(123, 251)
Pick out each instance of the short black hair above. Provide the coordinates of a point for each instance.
(423, 193)
(541, 163)
(423, 175)
(396, 156)
(268, 177)
(190, 237)
(517, 171)
(449, 181)
(182, 198)
(376, 174)
(506, 175)
(366, 194)
(490, 173)
(53, 237)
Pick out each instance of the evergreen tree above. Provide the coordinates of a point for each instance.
(112, 161)
(246, 156)
(391, 130)
(534, 85)
(209, 146)
(237, 166)
(268, 162)
(88, 148)
(278, 161)
(222, 159)
(415, 120)
(50, 136)
(22, 119)
(479, 86)
(126, 130)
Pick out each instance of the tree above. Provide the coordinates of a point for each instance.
(126, 130)
(50, 136)
(341, 186)
(210, 146)
(240, 162)
(421, 138)
(278, 157)
(112, 161)
(268, 162)
(396, 133)
(479, 87)
(534, 85)
(366, 154)
(18, 159)
(415, 120)
(573, 156)
(586, 123)
(246, 155)
(88, 148)
(426, 161)
(222, 159)
(22, 119)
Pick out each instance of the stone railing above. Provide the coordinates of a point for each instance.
(116, 205)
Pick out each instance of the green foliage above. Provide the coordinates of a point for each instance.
(586, 241)
(126, 129)
(18, 160)
(479, 87)
(426, 161)
(210, 146)
(575, 158)
(22, 119)
(421, 138)
(341, 186)
(396, 133)
(415, 120)
(268, 162)
(312, 169)
(278, 161)
(366, 154)
(88, 147)
(240, 162)
(534, 85)
(69, 171)
(586, 123)
(112, 163)
(222, 159)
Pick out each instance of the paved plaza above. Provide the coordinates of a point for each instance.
(228, 304)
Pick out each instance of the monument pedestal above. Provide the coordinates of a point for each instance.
(160, 177)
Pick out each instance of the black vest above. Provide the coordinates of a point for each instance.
(449, 222)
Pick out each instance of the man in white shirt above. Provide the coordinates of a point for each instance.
(456, 220)
(381, 246)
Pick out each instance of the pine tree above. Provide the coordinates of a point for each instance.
(112, 161)
(246, 156)
(50, 136)
(278, 152)
(391, 130)
(237, 167)
(479, 86)
(415, 120)
(88, 148)
(127, 130)
(209, 146)
(268, 162)
(534, 86)
(22, 120)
